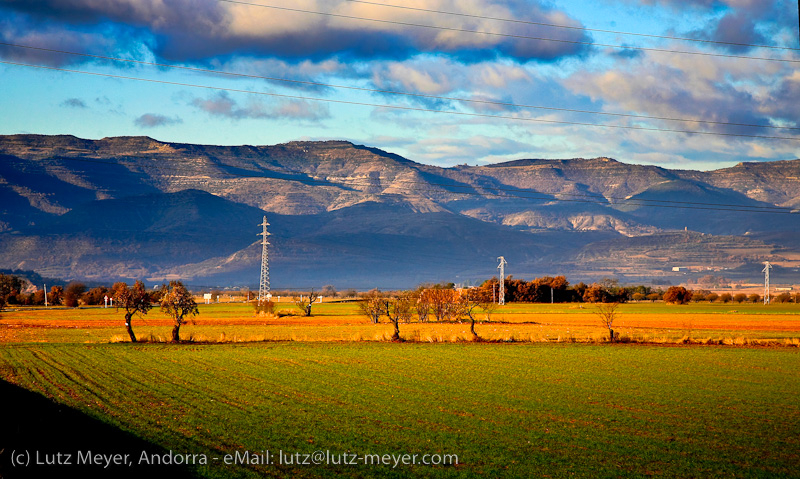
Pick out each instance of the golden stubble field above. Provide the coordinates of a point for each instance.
(731, 323)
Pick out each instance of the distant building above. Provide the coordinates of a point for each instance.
(678, 268)
(788, 288)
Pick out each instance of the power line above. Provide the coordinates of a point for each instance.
(394, 92)
(404, 108)
(510, 35)
(586, 29)
(472, 190)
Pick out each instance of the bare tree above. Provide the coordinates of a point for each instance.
(608, 313)
(306, 302)
(422, 305)
(329, 290)
(372, 305)
(398, 309)
(134, 300)
(403, 306)
(178, 303)
(444, 302)
(470, 302)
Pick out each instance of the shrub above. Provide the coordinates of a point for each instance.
(266, 307)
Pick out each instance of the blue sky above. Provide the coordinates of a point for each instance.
(503, 72)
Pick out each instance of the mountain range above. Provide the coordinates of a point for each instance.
(354, 216)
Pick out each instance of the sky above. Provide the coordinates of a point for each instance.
(565, 79)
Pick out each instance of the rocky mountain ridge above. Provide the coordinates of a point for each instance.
(355, 203)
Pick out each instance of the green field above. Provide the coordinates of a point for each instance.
(506, 410)
(548, 397)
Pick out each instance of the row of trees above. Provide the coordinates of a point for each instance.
(556, 289)
(71, 295)
(438, 301)
(175, 300)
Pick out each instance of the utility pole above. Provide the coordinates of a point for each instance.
(263, 286)
(501, 297)
(45, 295)
(766, 269)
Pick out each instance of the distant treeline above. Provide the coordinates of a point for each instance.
(73, 294)
(546, 289)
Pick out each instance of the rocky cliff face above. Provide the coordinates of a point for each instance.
(137, 207)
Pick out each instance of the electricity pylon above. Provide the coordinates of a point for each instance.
(501, 298)
(263, 286)
(766, 269)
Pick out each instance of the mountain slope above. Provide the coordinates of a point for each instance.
(132, 207)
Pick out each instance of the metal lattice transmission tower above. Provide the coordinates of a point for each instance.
(766, 269)
(501, 297)
(263, 286)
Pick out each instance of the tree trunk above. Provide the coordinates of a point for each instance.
(611, 333)
(128, 317)
(475, 336)
(396, 335)
(176, 338)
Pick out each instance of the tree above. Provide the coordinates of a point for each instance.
(488, 308)
(740, 297)
(783, 298)
(726, 297)
(328, 290)
(306, 302)
(398, 309)
(134, 300)
(95, 295)
(72, 293)
(443, 302)
(677, 295)
(711, 297)
(178, 303)
(38, 297)
(700, 295)
(349, 293)
(654, 297)
(754, 298)
(595, 294)
(372, 305)
(608, 313)
(471, 301)
(422, 305)
(55, 296)
(10, 286)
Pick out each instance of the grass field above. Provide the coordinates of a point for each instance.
(530, 408)
(514, 410)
